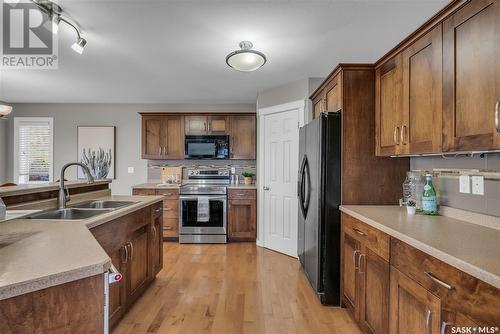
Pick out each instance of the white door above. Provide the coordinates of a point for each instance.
(281, 154)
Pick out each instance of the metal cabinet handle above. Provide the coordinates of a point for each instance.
(355, 258)
(497, 111)
(358, 231)
(438, 281)
(158, 210)
(154, 232)
(428, 321)
(168, 228)
(396, 135)
(168, 209)
(444, 324)
(165, 152)
(359, 264)
(131, 250)
(240, 194)
(167, 194)
(403, 134)
(126, 254)
(159, 150)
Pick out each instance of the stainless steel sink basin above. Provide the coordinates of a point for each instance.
(68, 214)
(102, 204)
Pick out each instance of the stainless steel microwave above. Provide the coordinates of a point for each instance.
(206, 147)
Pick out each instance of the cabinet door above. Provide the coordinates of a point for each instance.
(218, 125)
(173, 137)
(413, 309)
(471, 77)
(243, 137)
(117, 291)
(374, 274)
(152, 141)
(351, 250)
(421, 126)
(138, 263)
(242, 220)
(333, 94)
(156, 240)
(388, 106)
(196, 125)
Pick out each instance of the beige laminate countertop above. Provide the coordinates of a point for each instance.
(35, 188)
(37, 254)
(471, 248)
(242, 186)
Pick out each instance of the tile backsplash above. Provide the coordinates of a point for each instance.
(489, 203)
(241, 166)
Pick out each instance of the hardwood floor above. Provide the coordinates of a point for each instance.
(232, 288)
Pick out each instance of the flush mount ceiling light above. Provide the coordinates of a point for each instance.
(246, 59)
(55, 13)
(5, 109)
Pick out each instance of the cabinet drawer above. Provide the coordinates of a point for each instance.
(170, 227)
(242, 194)
(372, 238)
(143, 192)
(458, 291)
(171, 208)
(168, 193)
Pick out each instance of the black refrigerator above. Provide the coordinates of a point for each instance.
(319, 200)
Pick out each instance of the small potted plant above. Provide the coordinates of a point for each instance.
(411, 207)
(248, 177)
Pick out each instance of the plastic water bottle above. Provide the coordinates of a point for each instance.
(429, 203)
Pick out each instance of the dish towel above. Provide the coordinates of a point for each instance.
(203, 209)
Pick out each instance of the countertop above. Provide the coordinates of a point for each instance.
(472, 248)
(37, 254)
(155, 185)
(42, 187)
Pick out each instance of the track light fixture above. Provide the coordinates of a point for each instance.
(55, 13)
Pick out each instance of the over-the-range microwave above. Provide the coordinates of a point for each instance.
(206, 147)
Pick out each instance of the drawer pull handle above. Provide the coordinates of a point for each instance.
(358, 231)
(355, 258)
(158, 210)
(168, 209)
(428, 321)
(240, 194)
(497, 120)
(359, 264)
(168, 228)
(438, 281)
(167, 194)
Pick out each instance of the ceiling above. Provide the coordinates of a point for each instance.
(148, 51)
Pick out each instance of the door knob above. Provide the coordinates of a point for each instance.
(266, 188)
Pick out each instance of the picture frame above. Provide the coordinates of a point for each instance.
(96, 148)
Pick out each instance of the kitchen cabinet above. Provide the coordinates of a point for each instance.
(471, 73)
(242, 215)
(157, 241)
(330, 97)
(206, 125)
(413, 308)
(242, 139)
(128, 241)
(388, 106)
(162, 137)
(421, 120)
(365, 275)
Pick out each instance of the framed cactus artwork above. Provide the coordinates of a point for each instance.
(96, 150)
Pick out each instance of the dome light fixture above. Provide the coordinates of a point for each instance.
(246, 59)
(55, 13)
(5, 109)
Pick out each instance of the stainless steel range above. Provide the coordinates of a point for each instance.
(203, 206)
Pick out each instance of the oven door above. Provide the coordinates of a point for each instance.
(188, 219)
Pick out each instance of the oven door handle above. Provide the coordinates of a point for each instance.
(212, 197)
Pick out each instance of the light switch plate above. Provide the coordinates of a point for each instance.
(131, 170)
(464, 184)
(478, 185)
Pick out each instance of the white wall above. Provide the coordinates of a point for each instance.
(128, 134)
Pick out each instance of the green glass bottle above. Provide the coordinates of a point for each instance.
(429, 203)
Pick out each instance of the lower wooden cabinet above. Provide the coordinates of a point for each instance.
(413, 308)
(136, 251)
(242, 215)
(351, 248)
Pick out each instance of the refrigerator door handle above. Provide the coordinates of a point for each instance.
(301, 186)
(308, 181)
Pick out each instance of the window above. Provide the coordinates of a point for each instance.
(33, 149)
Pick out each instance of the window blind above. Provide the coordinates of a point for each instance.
(34, 151)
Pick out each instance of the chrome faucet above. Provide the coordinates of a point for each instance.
(63, 196)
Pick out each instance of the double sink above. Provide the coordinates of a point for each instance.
(80, 211)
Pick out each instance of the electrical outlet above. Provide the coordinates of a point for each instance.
(464, 184)
(131, 170)
(478, 185)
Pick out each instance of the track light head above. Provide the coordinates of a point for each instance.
(79, 45)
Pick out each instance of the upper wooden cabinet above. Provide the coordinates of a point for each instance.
(207, 125)
(243, 137)
(163, 137)
(329, 98)
(388, 106)
(439, 90)
(471, 73)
